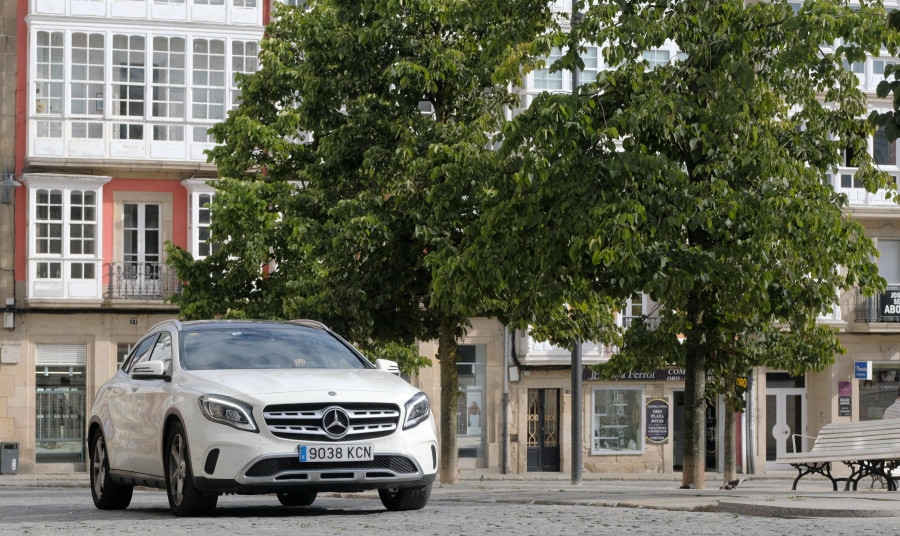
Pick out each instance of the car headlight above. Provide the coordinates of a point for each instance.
(228, 411)
(418, 408)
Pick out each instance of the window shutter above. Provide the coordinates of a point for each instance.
(66, 355)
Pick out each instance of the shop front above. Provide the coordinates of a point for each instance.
(637, 423)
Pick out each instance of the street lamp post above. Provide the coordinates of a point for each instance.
(577, 429)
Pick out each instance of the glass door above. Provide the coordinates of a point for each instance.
(142, 248)
(785, 418)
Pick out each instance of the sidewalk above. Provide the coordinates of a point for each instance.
(763, 495)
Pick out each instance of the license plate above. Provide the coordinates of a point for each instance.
(337, 453)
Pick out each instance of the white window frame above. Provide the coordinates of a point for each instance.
(639, 300)
(65, 287)
(104, 132)
(208, 82)
(241, 63)
(196, 189)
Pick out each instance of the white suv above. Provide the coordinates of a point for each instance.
(210, 407)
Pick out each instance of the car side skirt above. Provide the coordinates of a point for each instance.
(128, 478)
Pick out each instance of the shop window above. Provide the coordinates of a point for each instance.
(617, 421)
(877, 394)
(60, 403)
(470, 413)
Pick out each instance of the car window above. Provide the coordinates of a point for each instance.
(162, 350)
(266, 346)
(140, 353)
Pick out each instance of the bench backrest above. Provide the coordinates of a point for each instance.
(866, 436)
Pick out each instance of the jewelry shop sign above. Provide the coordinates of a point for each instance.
(657, 419)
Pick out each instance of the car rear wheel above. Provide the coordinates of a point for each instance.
(107, 494)
(184, 498)
(303, 498)
(399, 499)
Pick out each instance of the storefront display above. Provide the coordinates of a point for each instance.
(877, 394)
(617, 426)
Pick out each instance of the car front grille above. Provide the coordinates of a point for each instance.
(303, 422)
(270, 467)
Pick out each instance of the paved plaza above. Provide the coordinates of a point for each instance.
(31, 505)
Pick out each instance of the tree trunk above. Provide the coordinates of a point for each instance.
(694, 469)
(449, 395)
(730, 469)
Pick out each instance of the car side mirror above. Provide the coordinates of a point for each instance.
(150, 370)
(387, 365)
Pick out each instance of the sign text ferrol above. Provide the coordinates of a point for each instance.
(662, 375)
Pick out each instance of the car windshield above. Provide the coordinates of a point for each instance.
(265, 346)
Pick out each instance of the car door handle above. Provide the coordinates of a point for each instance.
(134, 388)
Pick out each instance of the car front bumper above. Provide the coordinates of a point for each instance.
(227, 460)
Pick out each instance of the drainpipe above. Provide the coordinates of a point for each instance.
(751, 435)
(504, 468)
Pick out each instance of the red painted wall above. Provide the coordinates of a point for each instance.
(179, 208)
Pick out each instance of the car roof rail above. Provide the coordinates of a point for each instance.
(310, 323)
(174, 321)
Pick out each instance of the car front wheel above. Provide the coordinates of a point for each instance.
(184, 498)
(399, 499)
(304, 498)
(107, 494)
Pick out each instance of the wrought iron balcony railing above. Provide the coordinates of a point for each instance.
(652, 322)
(141, 281)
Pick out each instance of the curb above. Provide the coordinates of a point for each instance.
(754, 508)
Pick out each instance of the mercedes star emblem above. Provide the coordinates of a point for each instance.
(336, 422)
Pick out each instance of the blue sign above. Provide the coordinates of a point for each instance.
(862, 370)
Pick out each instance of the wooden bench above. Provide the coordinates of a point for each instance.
(869, 448)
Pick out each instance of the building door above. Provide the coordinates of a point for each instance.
(785, 417)
(60, 403)
(543, 430)
(472, 417)
(142, 248)
(678, 428)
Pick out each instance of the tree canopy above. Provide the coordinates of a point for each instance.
(350, 166)
(702, 182)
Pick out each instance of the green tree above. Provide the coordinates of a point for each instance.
(350, 165)
(701, 182)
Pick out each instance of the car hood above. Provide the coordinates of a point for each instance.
(309, 384)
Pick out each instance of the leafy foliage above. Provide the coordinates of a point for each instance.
(701, 183)
(351, 169)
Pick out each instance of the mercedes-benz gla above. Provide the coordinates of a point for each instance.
(206, 408)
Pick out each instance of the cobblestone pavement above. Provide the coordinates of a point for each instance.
(27, 510)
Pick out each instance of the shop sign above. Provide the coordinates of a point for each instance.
(845, 407)
(889, 302)
(662, 375)
(862, 370)
(657, 422)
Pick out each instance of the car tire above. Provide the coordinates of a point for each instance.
(184, 498)
(302, 498)
(107, 494)
(400, 499)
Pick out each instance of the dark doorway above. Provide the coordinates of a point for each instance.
(712, 434)
(543, 430)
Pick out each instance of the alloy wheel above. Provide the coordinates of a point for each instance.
(98, 467)
(177, 469)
